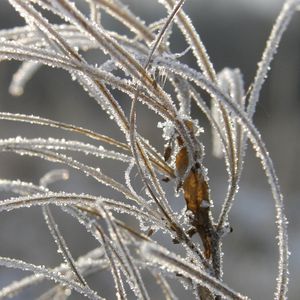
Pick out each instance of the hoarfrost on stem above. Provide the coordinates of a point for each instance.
(131, 61)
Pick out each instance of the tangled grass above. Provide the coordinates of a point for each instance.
(131, 67)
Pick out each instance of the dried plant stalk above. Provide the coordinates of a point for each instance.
(125, 252)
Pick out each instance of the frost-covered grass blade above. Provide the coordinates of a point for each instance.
(132, 60)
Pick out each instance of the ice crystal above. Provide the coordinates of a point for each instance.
(134, 64)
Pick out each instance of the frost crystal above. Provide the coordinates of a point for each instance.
(138, 69)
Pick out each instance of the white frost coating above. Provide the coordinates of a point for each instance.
(266, 161)
(62, 144)
(101, 94)
(149, 215)
(122, 13)
(88, 264)
(13, 50)
(137, 149)
(87, 170)
(53, 176)
(217, 149)
(105, 99)
(57, 46)
(61, 244)
(153, 217)
(111, 252)
(230, 81)
(283, 20)
(144, 165)
(168, 128)
(59, 199)
(128, 260)
(93, 31)
(193, 39)
(173, 263)
(21, 77)
(166, 288)
(31, 119)
(78, 71)
(20, 187)
(183, 93)
(35, 19)
(129, 185)
(49, 274)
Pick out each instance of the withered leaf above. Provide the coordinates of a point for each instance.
(195, 190)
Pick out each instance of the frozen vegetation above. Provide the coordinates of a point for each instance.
(140, 70)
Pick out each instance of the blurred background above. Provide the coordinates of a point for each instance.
(235, 33)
